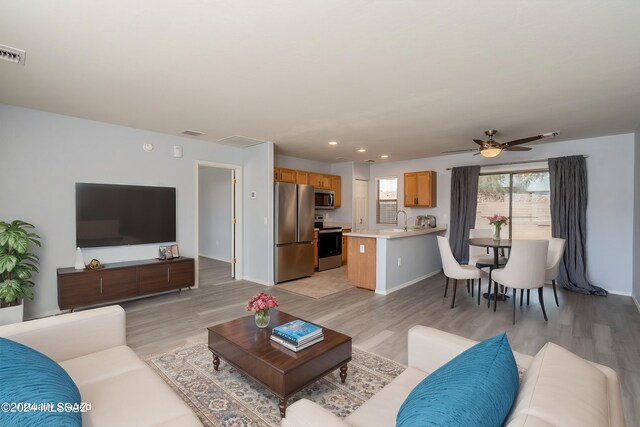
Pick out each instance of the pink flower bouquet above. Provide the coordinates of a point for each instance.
(262, 302)
(498, 220)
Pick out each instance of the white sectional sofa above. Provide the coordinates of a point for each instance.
(91, 346)
(558, 389)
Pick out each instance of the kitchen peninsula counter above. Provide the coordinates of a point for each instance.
(388, 260)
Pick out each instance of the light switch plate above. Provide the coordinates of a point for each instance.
(177, 151)
(253, 195)
(361, 249)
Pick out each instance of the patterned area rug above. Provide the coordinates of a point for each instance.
(230, 398)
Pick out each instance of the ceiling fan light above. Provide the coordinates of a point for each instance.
(491, 152)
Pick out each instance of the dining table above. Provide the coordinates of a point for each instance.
(497, 245)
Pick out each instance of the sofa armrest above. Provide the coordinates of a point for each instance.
(305, 413)
(71, 335)
(431, 348)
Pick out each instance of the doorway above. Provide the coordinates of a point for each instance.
(217, 223)
(361, 211)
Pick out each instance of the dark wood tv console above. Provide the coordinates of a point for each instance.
(122, 280)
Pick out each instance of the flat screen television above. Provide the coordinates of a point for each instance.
(116, 215)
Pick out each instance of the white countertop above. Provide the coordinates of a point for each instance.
(395, 233)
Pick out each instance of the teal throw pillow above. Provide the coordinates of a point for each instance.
(474, 389)
(34, 390)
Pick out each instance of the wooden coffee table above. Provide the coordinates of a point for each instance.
(248, 348)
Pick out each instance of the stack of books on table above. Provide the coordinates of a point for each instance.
(297, 335)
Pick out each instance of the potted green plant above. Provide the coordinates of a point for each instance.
(17, 266)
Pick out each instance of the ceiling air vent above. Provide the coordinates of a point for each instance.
(239, 141)
(11, 54)
(369, 161)
(191, 133)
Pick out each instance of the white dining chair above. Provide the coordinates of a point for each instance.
(554, 255)
(556, 251)
(453, 270)
(525, 270)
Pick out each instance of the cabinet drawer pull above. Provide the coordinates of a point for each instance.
(101, 285)
(168, 275)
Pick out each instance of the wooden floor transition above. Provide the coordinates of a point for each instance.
(604, 330)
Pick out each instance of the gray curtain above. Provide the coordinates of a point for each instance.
(464, 200)
(568, 179)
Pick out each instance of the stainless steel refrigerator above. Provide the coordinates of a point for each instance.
(294, 209)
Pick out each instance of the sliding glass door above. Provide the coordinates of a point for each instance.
(521, 196)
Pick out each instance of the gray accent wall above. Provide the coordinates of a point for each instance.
(43, 155)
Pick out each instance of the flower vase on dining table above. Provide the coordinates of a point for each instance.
(496, 233)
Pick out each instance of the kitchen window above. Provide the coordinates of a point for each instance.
(523, 196)
(386, 200)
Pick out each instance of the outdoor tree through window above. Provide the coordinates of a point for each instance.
(387, 200)
(521, 196)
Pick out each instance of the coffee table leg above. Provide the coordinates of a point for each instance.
(216, 361)
(343, 373)
(283, 407)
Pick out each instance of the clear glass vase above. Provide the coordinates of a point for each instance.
(496, 233)
(262, 318)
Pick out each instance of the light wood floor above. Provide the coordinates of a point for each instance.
(604, 330)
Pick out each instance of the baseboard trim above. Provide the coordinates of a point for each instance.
(258, 281)
(407, 284)
(623, 293)
(636, 301)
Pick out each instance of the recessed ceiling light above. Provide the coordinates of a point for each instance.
(333, 143)
(384, 156)
(361, 150)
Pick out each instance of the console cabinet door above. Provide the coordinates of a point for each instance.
(153, 278)
(119, 284)
(166, 276)
(181, 274)
(79, 289)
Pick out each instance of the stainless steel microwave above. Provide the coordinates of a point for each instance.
(325, 199)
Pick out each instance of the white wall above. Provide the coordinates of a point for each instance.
(258, 213)
(361, 171)
(214, 206)
(611, 197)
(301, 164)
(43, 155)
(636, 220)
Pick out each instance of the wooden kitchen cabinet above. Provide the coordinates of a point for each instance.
(361, 270)
(420, 190)
(315, 249)
(302, 177)
(345, 247)
(336, 186)
(284, 175)
(320, 181)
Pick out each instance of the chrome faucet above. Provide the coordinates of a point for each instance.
(405, 218)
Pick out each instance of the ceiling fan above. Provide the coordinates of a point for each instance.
(493, 148)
